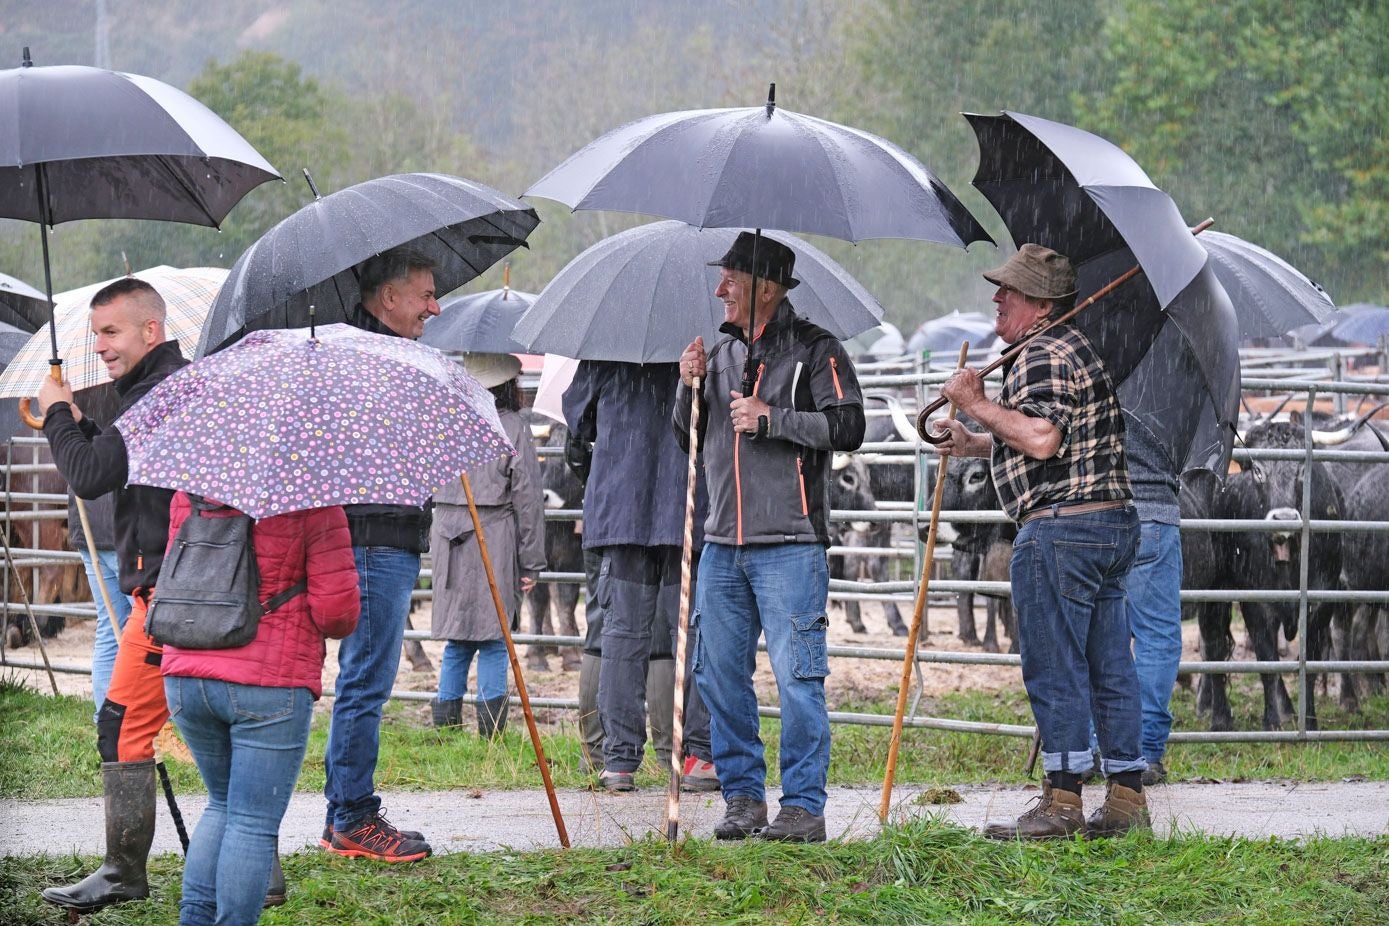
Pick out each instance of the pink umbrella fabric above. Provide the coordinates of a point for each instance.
(283, 422)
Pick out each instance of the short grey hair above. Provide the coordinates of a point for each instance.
(390, 266)
(149, 304)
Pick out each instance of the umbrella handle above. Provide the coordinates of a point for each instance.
(56, 371)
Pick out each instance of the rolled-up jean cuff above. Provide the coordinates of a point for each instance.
(1118, 766)
(1076, 762)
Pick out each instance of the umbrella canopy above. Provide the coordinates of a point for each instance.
(12, 341)
(188, 294)
(644, 294)
(1365, 326)
(262, 426)
(948, 332)
(87, 143)
(1081, 195)
(479, 322)
(309, 258)
(555, 377)
(1270, 296)
(22, 306)
(762, 167)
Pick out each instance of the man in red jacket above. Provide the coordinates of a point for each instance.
(128, 321)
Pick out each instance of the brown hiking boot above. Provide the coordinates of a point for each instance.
(1124, 809)
(1058, 815)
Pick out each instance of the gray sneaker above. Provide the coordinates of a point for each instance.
(795, 824)
(617, 782)
(742, 818)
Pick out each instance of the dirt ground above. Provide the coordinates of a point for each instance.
(852, 679)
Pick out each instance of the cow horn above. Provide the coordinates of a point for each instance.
(840, 460)
(1332, 438)
(905, 429)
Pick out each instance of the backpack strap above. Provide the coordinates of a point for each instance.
(295, 590)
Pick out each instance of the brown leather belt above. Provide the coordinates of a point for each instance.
(1065, 511)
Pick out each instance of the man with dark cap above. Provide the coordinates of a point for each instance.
(767, 450)
(1055, 437)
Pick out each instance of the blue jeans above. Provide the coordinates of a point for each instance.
(249, 742)
(779, 590)
(491, 669)
(1068, 587)
(367, 664)
(1155, 616)
(104, 649)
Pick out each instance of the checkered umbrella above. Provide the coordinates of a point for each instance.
(188, 294)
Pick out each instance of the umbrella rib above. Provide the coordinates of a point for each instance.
(192, 193)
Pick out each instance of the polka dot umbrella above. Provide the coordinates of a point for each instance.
(283, 421)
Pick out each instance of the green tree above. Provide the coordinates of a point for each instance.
(1268, 115)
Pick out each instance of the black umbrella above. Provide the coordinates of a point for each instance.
(642, 295)
(22, 306)
(87, 143)
(479, 321)
(1081, 195)
(309, 259)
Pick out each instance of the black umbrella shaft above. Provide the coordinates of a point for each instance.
(42, 187)
(750, 367)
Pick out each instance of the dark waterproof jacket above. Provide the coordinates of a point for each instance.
(101, 404)
(774, 487)
(404, 527)
(638, 476)
(93, 461)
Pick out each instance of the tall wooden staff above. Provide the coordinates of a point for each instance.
(677, 737)
(516, 666)
(922, 589)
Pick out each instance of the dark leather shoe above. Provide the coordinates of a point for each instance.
(1155, 773)
(795, 824)
(1124, 809)
(742, 817)
(1058, 815)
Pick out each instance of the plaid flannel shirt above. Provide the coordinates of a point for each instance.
(1061, 379)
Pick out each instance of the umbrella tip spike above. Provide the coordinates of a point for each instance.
(28, 62)
(313, 187)
(771, 98)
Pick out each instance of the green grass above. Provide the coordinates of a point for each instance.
(47, 748)
(921, 872)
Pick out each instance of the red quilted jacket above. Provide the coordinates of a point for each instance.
(288, 650)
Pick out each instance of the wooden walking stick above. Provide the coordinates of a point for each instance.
(516, 666)
(677, 737)
(96, 567)
(922, 589)
(923, 426)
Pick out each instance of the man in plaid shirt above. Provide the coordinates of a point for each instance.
(1055, 438)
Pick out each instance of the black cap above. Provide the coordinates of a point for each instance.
(775, 261)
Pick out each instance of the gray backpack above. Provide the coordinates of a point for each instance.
(208, 593)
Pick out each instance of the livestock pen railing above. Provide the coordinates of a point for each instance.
(40, 506)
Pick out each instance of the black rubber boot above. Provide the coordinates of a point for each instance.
(447, 713)
(275, 891)
(129, 788)
(491, 717)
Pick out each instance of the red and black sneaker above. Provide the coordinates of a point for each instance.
(376, 838)
(326, 840)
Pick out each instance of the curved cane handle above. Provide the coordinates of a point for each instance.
(923, 427)
(27, 418)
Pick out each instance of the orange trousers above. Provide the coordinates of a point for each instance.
(135, 710)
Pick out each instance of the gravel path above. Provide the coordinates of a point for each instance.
(474, 821)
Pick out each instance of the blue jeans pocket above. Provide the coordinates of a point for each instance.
(255, 702)
(810, 655)
(1080, 568)
(173, 695)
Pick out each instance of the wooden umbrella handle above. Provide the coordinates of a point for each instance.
(923, 426)
(55, 370)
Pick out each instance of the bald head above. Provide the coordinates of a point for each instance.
(128, 321)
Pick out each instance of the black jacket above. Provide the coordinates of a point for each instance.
(94, 462)
(401, 526)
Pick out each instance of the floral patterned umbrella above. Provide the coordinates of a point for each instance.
(283, 421)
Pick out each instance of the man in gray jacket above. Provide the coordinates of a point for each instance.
(763, 570)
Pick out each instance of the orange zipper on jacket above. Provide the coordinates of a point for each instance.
(800, 476)
(834, 371)
(737, 471)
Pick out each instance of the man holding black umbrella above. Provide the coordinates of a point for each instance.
(763, 569)
(397, 297)
(1056, 440)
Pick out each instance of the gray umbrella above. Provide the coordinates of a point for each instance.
(479, 322)
(643, 295)
(1067, 189)
(1271, 296)
(22, 306)
(762, 167)
(309, 259)
(948, 332)
(87, 143)
(1366, 326)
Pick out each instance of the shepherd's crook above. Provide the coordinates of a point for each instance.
(515, 666)
(921, 592)
(677, 736)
